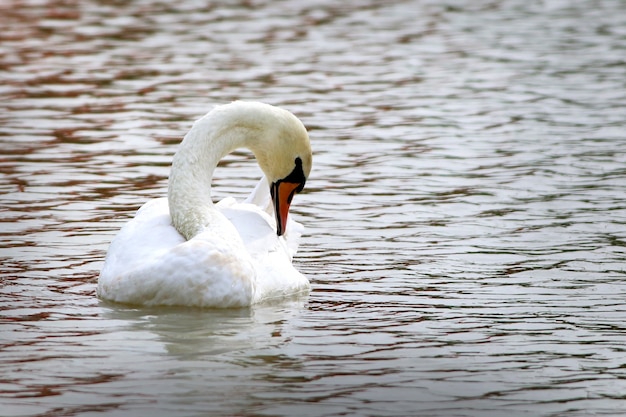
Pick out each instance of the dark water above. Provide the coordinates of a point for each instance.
(466, 215)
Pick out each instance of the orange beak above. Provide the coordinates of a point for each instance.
(282, 193)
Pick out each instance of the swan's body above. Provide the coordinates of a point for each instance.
(184, 250)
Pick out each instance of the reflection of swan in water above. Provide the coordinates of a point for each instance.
(197, 362)
(186, 251)
(188, 333)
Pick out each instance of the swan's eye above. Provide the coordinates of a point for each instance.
(297, 175)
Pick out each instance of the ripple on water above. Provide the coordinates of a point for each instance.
(465, 215)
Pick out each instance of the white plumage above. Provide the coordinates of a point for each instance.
(222, 255)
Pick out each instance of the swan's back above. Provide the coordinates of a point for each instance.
(150, 263)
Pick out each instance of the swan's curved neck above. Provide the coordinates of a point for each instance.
(189, 188)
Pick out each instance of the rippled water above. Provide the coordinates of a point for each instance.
(466, 215)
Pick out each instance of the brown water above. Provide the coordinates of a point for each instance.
(466, 215)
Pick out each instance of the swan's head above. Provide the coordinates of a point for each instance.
(283, 152)
(278, 140)
(283, 189)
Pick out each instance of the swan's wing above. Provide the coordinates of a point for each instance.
(276, 277)
(194, 273)
(150, 263)
(145, 237)
(260, 197)
(293, 234)
(257, 228)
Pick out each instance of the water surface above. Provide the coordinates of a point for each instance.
(466, 215)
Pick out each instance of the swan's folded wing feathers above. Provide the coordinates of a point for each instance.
(144, 237)
(179, 277)
(254, 226)
(260, 197)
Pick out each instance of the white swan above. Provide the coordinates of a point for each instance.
(184, 250)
